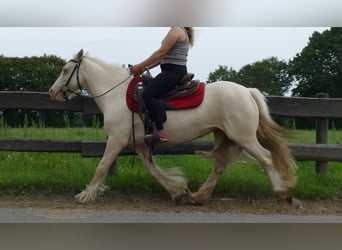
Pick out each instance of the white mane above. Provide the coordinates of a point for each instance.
(117, 69)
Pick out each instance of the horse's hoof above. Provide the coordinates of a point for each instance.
(180, 198)
(288, 198)
(296, 203)
(80, 199)
(194, 202)
(84, 197)
(292, 201)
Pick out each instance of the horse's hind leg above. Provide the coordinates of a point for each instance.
(225, 151)
(171, 179)
(264, 156)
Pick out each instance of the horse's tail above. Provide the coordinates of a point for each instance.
(269, 136)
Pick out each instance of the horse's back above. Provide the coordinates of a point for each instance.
(227, 84)
(228, 92)
(233, 101)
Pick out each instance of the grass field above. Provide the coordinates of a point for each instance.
(69, 173)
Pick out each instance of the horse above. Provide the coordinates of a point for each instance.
(237, 116)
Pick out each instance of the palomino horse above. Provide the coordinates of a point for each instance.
(237, 116)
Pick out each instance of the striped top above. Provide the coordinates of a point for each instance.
(178, 54)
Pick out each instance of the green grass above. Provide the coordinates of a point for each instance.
(69, 173)
(53, 133)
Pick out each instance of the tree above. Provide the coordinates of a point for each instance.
(318, 67)
(36, 74)
(223, 74)
(269, 75)
(29, 73)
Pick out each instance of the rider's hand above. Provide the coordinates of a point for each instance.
(136, 69)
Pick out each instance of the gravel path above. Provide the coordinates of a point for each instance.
(34, 215)
(116, 207)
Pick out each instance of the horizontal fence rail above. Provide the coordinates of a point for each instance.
(305, 107)
(283, 106)
(278, 105)
(42, 101)
(95, 148)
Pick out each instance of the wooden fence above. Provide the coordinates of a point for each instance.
(321, 108)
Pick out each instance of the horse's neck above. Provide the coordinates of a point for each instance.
(101, 77)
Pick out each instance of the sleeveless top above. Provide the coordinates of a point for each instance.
(178, 54)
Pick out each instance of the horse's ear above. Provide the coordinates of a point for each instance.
(79, 55)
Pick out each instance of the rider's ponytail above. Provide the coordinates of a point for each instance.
(190, 32)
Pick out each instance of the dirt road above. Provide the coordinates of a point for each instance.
(56, 207)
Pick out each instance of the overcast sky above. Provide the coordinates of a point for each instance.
(214, 46)
(170, 13)
(240, 31)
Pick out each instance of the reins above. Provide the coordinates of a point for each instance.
(109, 90)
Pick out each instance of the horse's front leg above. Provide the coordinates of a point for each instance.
(96, 184)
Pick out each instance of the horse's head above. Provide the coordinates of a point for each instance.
(68, 83)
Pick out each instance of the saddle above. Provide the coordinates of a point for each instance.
(187, 94)
(185, 87)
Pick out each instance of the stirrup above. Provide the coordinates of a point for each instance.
(149, 138)
(157, 137)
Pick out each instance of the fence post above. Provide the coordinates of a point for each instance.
(322, 130)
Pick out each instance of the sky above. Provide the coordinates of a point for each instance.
(232, 33)
(235, 13)
(229, 46)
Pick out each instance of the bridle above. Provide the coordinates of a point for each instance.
(76, 70)
(65, 88)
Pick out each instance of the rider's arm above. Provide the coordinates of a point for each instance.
(153, 65)
(169, 41)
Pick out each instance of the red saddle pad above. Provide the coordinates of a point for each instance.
(186, 102)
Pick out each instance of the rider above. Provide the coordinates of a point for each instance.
(172, 58)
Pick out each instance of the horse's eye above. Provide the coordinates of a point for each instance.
(65, 70)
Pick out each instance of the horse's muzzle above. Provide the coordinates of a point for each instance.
(56, 95)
